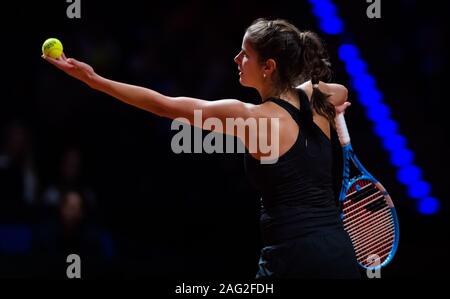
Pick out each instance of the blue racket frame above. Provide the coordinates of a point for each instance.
(349, 154)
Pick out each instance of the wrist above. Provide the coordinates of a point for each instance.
(93, 81)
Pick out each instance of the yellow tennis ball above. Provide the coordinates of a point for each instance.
(52, 47)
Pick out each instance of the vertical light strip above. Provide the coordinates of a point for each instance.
(377, 111)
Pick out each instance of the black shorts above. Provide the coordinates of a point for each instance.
(327, 255)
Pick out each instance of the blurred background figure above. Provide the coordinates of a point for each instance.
(18, 178)
(69, 177)
(71, 230)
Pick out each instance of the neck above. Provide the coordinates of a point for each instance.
(267, 92)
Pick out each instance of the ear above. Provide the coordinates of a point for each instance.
(270, 66)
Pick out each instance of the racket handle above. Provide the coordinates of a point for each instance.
(341, 129)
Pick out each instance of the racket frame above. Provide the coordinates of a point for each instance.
(349, 156)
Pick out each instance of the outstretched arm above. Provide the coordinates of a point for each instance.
(150, 100)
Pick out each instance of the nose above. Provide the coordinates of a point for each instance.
(237, 58)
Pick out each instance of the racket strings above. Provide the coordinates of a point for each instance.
(359, 237)
(382, 254)
(368, 221)
(356, 219)
(375, 227)
(375, 232)
(378, 246)
(357, 197)
(374, 242)
(355, 212)
(368, 262)
(365, 191)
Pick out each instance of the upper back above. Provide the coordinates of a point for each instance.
(287, 127)
(304, 171)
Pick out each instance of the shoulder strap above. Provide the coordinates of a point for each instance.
(305, 107)
(293, 111)
(304, 115)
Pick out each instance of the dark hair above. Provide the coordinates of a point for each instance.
(300, 56)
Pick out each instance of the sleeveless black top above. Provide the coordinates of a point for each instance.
(299, 190)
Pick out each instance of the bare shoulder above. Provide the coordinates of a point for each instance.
(268, 109)
(338, 92)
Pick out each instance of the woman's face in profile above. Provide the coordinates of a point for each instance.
(250, 70)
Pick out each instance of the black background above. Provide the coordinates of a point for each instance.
(196, 215)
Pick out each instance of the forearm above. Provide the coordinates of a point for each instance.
(137, 96)
(143, 98)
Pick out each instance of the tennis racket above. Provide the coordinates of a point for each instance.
(368, 213)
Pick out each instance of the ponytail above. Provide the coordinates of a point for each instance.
(317, 68)
(320, 103)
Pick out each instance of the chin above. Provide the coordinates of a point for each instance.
(243, 83)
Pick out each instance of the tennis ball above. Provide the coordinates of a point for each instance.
(52, 47)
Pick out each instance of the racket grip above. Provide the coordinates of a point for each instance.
(341, 129)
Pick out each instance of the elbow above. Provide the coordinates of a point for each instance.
(344, 95)
(340, 95)
(167, 108)
(156, 103)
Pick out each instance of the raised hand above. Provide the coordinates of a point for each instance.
(77, 69)
(341, 108)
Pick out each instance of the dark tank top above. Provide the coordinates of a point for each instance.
(298, 192)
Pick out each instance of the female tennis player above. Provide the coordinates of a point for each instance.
(302, 233)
